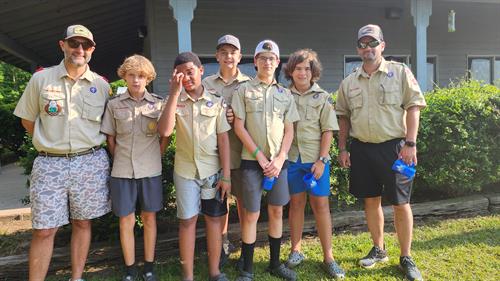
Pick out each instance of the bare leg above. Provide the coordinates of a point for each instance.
(375, 220)
(80, 243)
(296, 220)
(42, 245)
(321, 210)
(214, 242)
(275, 220)
(403, 222)
(127, 241)
(149, 220)
(187, 239)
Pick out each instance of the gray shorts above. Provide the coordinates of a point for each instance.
(252, 176)
(236, 183)
(75, 187)
(126, 192)
(195, 196)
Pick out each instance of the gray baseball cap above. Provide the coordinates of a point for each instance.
(371, 30)
(78, 30)
(229, 39)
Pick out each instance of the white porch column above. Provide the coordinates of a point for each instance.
(421, 10)
(183, 13)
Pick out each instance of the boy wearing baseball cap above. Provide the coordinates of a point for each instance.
(223, 83)
(265, 112)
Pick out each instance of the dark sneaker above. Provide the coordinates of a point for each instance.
(220, 277)
(240, 264)
(245, 276)
(131, 277)
(375, 256)
(283, 272)
(294, 259)
(149, 276)
(333, 269)
(410, 269)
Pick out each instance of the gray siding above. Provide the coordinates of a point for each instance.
(328, 27)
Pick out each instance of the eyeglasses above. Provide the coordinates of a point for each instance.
(72, 43)
(265, 59)
(371, 44)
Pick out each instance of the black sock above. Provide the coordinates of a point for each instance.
(274, 249)
(131, 269)
(148, 266)
(247, 253)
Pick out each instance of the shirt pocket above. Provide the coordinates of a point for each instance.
(254, 103)
(280, 104)
(93, 108)
(355, 99)
(53, 103)
(149, 123)
(124, 121)
(390, 95)
(313, 109)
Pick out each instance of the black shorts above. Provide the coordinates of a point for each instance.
(371, 174)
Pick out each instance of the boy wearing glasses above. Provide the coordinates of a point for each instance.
(379, 107)
(62, 108)
(223, 83)
(265, 112)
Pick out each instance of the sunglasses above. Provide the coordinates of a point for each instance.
(371, 44)
(72, 43)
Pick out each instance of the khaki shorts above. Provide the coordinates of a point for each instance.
(63, 188)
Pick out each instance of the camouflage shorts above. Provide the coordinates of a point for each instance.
(74, 187)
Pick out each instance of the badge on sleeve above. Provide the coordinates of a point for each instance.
(52, 108)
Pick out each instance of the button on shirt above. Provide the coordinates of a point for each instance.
(376, 105)
(67, 113)
(134, 124)
(197, 124)
(215, 83)
(264, 109)
(317, 115)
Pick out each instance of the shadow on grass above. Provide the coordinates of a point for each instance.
(488, 236)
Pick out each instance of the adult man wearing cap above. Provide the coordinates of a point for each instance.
(265, 112)
(224, 83)
(379, 107)
(61, 108)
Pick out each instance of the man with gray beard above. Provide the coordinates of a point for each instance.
(62, 108)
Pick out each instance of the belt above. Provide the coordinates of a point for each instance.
(70, 155)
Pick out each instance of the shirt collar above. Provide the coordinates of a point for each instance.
(314, 89)
(63, 72)
(382, 67)
(147, 96)
(240, 77)
(185, 96)
(256, 81)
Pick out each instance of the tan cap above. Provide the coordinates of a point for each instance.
(229, 39)
(267, 46)
(78, 30)
(371, 30)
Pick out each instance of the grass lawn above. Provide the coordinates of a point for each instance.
(457, 249)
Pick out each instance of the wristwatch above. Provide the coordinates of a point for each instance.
(325, 160)
(410, 143)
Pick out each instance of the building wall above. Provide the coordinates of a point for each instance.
(329, 27)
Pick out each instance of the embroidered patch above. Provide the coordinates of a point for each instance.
(390, 74)
(151, 105)
(93, 90)
(52, 108)
(316, 96)
(210, 103)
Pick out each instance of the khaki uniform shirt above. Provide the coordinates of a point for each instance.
(265, 109)
(216, 83)
(317, 115)
(134, 124)
(376, 105)
(67, 113)
(197, 124)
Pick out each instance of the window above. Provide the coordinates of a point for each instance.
(246, 66)
(485, 68)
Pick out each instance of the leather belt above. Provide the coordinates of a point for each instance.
(70, 155)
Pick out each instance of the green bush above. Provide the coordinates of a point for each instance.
(459, 139)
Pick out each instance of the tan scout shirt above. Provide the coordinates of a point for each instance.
(317, 115)
(67, 113)
(216, 83)
(197, 125)
(265, 109)
(377, 105)
(134, 123)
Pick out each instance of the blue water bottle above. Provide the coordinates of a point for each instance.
(268, 183)
(401, 167)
